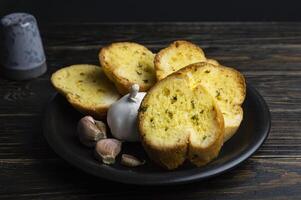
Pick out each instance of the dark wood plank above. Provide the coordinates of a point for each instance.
(268, 54)
(256, 179)
(158, 34)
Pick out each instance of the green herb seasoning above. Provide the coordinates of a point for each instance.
(195, 119)
(143, 108)
(169, 113)
(218, 93)
(192, 104)
(174, 99)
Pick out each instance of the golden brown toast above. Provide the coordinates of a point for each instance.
(178, 55)
(179, 122)
(226, 85)
(86, 88)
(127, 63)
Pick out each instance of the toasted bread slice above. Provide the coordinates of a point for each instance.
(127, 63)
(178, 55)
(226, 85)
(179, 122)
(86, 88)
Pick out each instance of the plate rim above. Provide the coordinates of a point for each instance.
(229, 165)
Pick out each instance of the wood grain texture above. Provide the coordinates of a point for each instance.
(268, 54)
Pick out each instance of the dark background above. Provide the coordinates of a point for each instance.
(154, 10)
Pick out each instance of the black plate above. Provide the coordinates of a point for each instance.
(60, 128)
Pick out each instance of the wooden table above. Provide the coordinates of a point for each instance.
(268, 54)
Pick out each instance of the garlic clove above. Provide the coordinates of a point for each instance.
(101, 126)
(89, 118)
(131, 161)
(106, 150)
(88, 132)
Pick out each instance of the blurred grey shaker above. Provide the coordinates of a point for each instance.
(22, 53)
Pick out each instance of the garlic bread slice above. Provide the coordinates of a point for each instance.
(226, 85)
(127, 63)
(179, 122)
(176, 56)
(86, 88)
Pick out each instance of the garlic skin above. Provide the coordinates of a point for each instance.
(131, 161)
(101, 126)
(122, 115)
(89, 132)
(106, 150)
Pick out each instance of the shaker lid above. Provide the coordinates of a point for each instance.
(17, 18)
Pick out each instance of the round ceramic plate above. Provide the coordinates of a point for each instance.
(60, 132)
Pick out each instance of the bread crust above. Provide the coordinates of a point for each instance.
(98, 112)
(122, 84)
(231, 130)
(212, 61)
(167, 157)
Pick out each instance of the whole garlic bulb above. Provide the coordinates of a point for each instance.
(122, 115)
